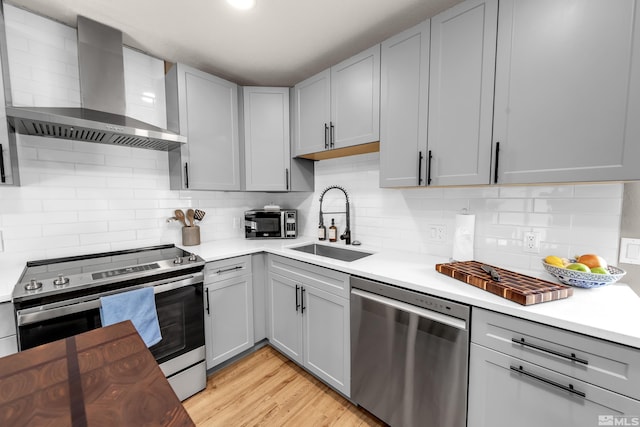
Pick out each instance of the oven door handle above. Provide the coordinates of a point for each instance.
(38, 314)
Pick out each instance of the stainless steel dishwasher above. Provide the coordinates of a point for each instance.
(409, 355)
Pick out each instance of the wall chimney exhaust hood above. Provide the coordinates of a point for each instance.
(102, 116)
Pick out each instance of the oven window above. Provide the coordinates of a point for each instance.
(47, 331)
(181, 322)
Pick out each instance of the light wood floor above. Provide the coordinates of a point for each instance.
(267, 389)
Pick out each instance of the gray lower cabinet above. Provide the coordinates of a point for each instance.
(228, 304)
(528, 374)
(204, 108)
(567, 95)
(308, 317)
(8, 339)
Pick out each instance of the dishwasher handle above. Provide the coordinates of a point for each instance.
(403, 306)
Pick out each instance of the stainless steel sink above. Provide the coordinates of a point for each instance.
(332, 252)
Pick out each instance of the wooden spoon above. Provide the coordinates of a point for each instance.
(180, 216)
(190, 215)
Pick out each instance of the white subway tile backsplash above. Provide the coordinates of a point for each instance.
(70, 156)
(75, 228)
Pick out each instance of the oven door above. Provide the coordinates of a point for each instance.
(178, 304)
(263, 225)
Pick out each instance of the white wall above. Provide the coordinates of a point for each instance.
(571, 219)
(79, 197)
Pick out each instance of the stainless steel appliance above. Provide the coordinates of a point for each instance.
(102, 117)
(271, 224)
(409, 355)
(58, 298)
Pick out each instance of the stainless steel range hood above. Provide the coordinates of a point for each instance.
(102, 116)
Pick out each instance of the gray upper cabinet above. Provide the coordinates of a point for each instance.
(355, 100)
(461, 84)
(204, 108)
(266, 138)
(403, 107)
(437, 99)
(567, 96)
(339, 107)
(312, 113)
(8, 155)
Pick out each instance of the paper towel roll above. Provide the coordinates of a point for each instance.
(463, 237)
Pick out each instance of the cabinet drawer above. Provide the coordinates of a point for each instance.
(609, 365)
(8, 345)
(227, 268)
(7, 320)
(322, 278)
(505, 391)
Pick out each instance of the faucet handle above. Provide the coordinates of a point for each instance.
(346, 236)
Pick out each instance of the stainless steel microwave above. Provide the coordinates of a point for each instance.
(271, 224)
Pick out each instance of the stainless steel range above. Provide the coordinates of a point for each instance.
(58, 298)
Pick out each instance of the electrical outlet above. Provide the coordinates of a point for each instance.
(437, 232)
(531, 242)
(1, 242)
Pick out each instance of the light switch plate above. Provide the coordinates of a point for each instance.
(629, 251)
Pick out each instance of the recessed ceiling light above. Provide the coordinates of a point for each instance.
(242, 4)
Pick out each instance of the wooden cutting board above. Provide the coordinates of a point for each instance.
(520, 288)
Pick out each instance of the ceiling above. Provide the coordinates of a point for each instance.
(278, 43)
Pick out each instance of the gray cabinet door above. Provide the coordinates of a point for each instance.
(312, 113)
(266, 138)
(502, 397)
(285, 323)
(404, 79)
(228, 319)
(212, 133)
(461, 84)
(355, 99)
(326, 337)
(567, 96)
(204, 108)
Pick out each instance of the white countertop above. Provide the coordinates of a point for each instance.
(611, 312)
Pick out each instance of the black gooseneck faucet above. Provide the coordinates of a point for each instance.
(346, 236)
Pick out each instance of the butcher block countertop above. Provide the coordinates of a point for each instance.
(104, 377)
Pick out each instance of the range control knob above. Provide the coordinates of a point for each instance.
(193, 257)
(178, 260)
(33, 285)
(61, 280)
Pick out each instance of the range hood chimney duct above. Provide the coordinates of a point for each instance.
(102, 117)
(101, 67)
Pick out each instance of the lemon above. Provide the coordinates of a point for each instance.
(554, 260)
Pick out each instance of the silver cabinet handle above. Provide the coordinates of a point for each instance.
(225, 270)
(571, 356)
(569, 388)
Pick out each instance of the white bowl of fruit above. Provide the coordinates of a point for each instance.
(585, 271)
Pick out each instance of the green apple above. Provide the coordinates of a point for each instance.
(578, 267)
(599, 270)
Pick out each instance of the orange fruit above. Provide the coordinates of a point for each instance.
(592, 261)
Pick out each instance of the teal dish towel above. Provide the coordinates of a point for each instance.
(139, 306)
